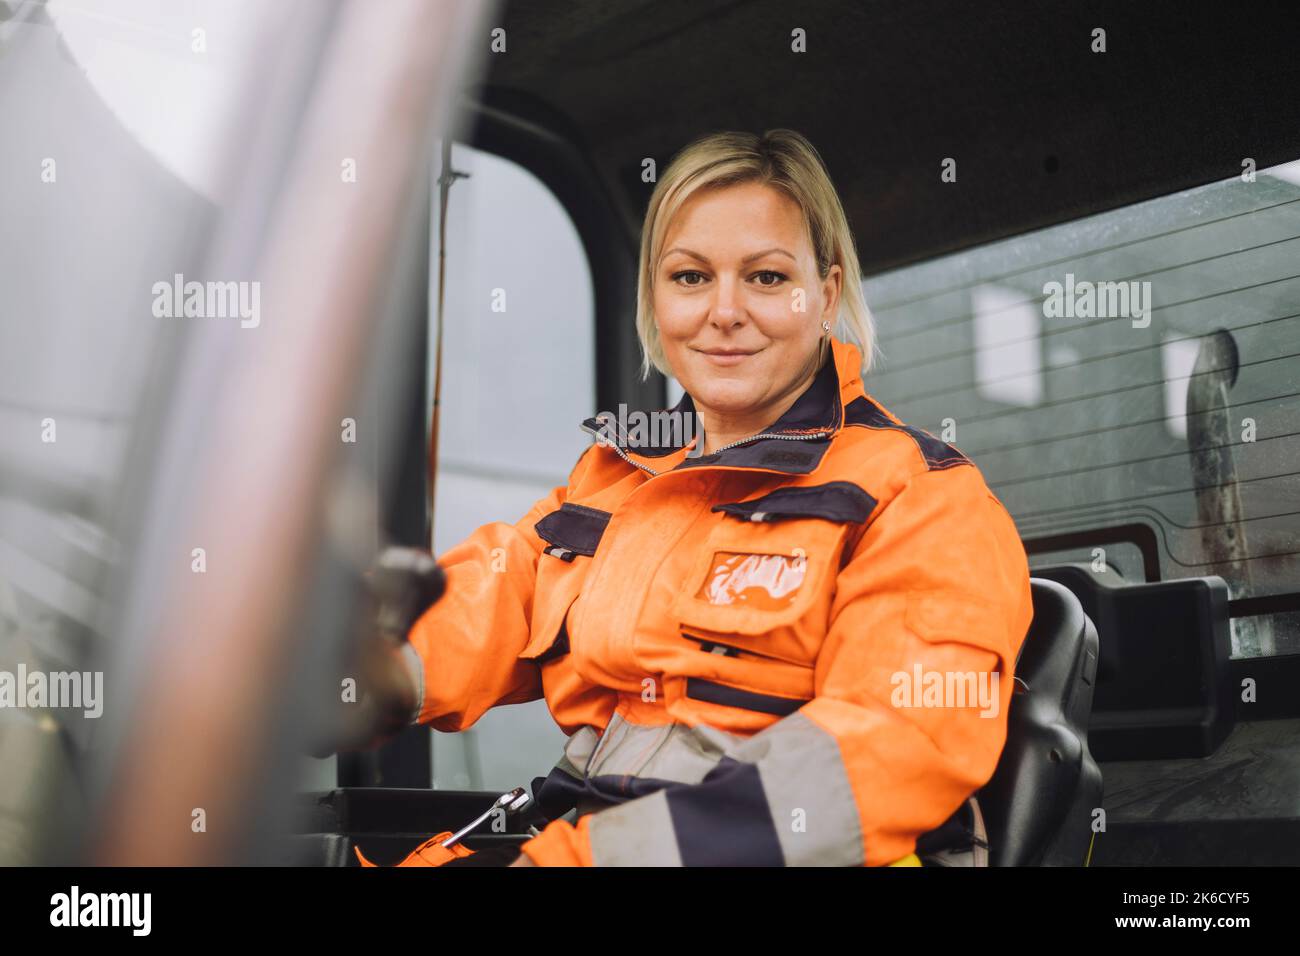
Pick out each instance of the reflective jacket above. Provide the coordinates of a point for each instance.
(795, 650)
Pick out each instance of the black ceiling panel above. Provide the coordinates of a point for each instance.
(1043, 129)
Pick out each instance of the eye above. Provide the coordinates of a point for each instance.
(769, 279)
(681, 278)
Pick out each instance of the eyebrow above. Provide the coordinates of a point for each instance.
(747, 259)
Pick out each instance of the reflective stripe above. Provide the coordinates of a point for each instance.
(673, 752)
(578, 751)
(639, 833)
(627, 762)
(808, 793)
(780, 796)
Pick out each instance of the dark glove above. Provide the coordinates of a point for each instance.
(402, 584)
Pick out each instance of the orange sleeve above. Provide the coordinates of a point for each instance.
(562, 844)
(468, 643)
(916, 675)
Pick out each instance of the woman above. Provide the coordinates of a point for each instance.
(751, 630)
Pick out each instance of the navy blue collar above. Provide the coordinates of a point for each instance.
(794, 443)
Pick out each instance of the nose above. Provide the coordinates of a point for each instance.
(726, 310)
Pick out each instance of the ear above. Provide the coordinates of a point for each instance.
(832, 287)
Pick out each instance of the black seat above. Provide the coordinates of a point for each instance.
(1038, 806)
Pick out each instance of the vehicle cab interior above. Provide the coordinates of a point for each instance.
(453, 218)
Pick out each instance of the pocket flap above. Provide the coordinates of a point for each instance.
(550, 635)
(940, 616)
(574, 529)
(840, 501)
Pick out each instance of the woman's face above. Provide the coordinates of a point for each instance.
(739, 303)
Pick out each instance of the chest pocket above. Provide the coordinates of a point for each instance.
(571, 535)
(764, 582)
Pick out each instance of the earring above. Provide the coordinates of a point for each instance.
(826, 326)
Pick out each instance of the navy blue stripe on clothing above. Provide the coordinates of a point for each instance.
(697, 688)
(725, 820)
(838, 501)
(559, 792)
(938, 454)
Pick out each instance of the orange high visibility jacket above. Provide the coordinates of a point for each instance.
(795, 650)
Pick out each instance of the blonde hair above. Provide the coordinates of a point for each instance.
(780, 158)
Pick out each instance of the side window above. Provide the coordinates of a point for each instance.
(1134, 369)
(518, 378)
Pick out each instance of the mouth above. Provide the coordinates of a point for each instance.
(727, 357)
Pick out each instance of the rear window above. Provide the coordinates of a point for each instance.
(1128, 383)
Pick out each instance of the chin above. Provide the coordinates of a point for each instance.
(727, 396)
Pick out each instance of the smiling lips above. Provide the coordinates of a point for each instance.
(726, 357)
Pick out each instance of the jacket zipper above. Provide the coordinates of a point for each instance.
(744, 441)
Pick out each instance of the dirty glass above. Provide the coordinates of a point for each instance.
(1137, 367)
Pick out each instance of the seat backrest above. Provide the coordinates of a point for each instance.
(1038, 806)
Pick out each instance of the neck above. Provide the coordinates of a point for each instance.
(721, 429)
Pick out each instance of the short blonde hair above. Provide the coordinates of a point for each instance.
(780, 158)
